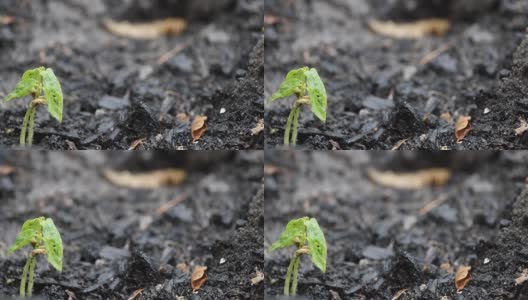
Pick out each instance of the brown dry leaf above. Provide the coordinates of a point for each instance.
(259, 128)
(198, 278)
(399, 294)
(147, 180)
(135, 294)
(412, 30)
(198, 127)
(447, 267)
(272, 170)
(522, 128)
(522, 278)
(148, 30)
(7, 20)
(447, 117)
(272, 20)
(6, 170)
(183, 267)
(136, 143)
(462, 277)
(462, 127)
(183, 117)
(258, 278)
(414, 180)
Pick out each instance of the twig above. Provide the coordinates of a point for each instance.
(168, 55)
(434, 54)
(166, 206)
(433, 204)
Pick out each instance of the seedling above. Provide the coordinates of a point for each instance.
(299, 232)
(35, 82)
(309, 89)
(45, 239)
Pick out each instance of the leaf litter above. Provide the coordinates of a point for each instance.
(462, 127)
(198, 127)
(410, 30)
(148, 30)
(146, 180)
(462, 277)
(198, 278)
(410, 180)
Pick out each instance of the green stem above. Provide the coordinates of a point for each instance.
(24, 277)
(288, 126)
(295, 275)
(31, 276)
(24, 126)
(288, 277)
(31, 125)
(295, 125)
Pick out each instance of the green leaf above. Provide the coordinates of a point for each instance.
(28, 84)
(53, 92)
(316, 243)
(295, 232)
(53, 244)
(317, 92)
(293, 82)
(31, 232)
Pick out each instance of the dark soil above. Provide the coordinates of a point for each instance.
(379, 243)
(115, 243)
(115, 90)
(379, 93)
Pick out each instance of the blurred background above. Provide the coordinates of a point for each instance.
(398, 221)
(401, 73)
(137, 220)
(135, 74)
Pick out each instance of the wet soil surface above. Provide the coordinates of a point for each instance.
(115, 240)
(380, 242)
(117, 92)
(379, 91)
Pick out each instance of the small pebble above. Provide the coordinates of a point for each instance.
(99, 113)
(222, 261)
(486, 110)
(504, 73)
(222, 110)
(486, 260)
(504, 223)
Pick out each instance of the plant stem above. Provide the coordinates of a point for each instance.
(24, 126)
(30, 118)
(288, 276)
(295, 275)
(295, 125)
(288, 126)
(31, 124)
(24, 277)
(31, 275)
